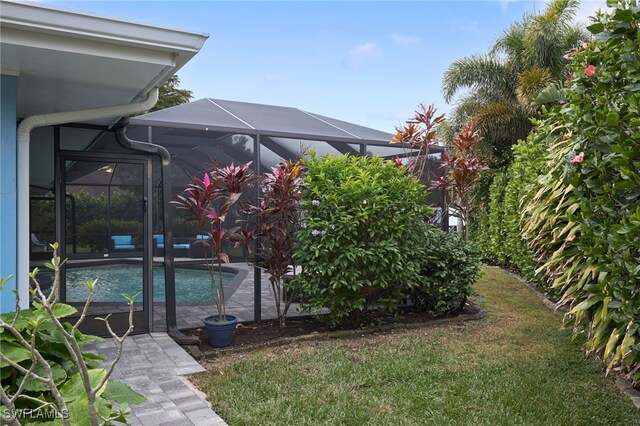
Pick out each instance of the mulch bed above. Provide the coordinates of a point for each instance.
(254, 335)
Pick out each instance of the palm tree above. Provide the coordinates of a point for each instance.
(500, 85)
(171, 94)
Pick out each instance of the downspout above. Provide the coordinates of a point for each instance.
(169, 267)
(23, 141)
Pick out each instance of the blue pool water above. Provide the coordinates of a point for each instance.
(192, 285)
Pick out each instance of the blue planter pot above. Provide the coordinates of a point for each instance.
(220, 333)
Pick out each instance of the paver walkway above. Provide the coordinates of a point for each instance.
(154, 365)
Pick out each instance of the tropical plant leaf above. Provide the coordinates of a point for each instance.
(33, 385)
(61, 310)
(79, 411)
(14, 352)
(74, 388)
(550, 94)
(121, 393)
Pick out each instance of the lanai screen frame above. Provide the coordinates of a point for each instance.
(142, 129)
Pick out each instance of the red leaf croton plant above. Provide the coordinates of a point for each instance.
(462, 165)
(464, 169)
(221, 186)
(419, 132)
(272, 224)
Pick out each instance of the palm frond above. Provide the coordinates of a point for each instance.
(476, 72)
(531, 82)
(503, 121)
(494, 116)
(550, 35)
(511, 43)
(562, 11)
(551, 94)
(503, 89)
(467, 107)
(575, 36)
(445, 132)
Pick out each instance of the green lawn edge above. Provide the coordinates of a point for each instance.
(517, 366)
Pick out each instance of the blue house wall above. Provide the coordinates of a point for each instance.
(8, 189)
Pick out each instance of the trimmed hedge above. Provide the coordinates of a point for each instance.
(583, 219)
(364, 226)
(508, 191)
(497, 232)
(450, 266)
(367, 242)
(529, 161)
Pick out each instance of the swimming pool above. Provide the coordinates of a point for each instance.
(192, 285)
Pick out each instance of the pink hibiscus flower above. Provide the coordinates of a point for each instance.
(590, 71)
(578, 158)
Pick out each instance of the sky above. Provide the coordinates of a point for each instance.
(369, 63)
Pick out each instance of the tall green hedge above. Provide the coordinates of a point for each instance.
(583, 219)
(529, 161)
(364, 228)
(497, 233)
(508, 191)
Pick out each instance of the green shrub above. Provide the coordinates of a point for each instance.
(89, 207)
(497, 220)
(450, 266)
(479, 234)
(529, 162)
(95, 233)
(583, 218)
(508, 191)
(479, 218)
(364, 225)
(184, 228)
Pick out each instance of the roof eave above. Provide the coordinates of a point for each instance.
(41, 18)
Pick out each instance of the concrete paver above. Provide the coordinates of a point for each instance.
(154, 365)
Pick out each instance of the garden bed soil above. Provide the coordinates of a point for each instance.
(255, 335)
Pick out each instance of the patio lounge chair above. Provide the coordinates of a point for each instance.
(198, 250)
(122, 242)
(38, 246)
(180, 248)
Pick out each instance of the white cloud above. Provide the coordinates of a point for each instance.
(504, 4)
(589, 8)
(466, 25)
(586, 8)
(361, 52)
(271, 78)
(404, 40)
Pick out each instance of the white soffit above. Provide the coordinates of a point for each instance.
(67, 60)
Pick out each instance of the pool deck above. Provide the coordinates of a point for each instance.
(240, 303)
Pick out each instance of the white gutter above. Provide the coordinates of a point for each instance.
(24, 138)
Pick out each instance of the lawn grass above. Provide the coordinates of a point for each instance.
(515, 367)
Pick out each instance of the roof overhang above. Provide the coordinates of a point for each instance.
(65, 60)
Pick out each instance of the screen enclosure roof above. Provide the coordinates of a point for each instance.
(217, 115)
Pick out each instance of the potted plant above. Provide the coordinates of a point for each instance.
(221, 187)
